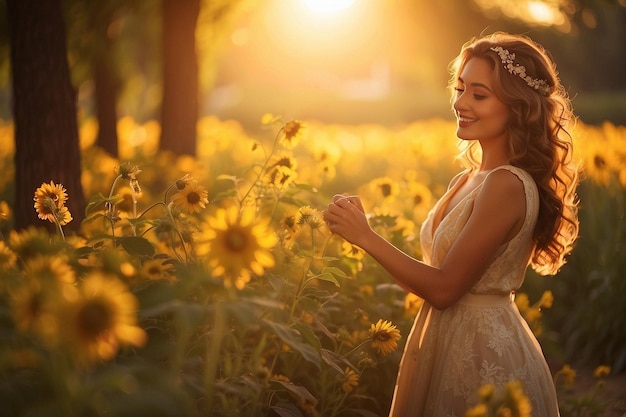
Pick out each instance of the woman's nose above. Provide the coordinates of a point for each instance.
(459, 103)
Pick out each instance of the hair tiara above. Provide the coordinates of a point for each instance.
(508, 59)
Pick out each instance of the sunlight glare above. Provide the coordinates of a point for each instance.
(541, 12)
(328, 6)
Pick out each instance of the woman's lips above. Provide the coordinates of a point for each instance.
(465, 121)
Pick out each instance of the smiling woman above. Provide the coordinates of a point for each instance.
(328, 6)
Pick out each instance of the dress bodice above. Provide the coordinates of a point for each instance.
(506, 272)
(482, 338)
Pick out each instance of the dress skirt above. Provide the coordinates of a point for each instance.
(451, 353)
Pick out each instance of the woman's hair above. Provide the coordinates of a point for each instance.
(540, 114)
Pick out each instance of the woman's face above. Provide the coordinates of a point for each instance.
(480, 114)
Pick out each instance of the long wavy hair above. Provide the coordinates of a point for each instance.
(538, 136)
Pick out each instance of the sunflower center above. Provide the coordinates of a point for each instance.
(382, 337)
(386, 190)
(236, 240)
(417, 199)
(599, 162)
(49, 206)
(193, 198)
(154, 271)
(94, 318)
(283, 162)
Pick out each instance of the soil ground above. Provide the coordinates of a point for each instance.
(613, 394)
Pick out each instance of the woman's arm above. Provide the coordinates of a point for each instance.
(498, 213)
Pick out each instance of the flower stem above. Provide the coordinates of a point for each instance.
(267, 160)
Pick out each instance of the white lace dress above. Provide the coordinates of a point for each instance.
(481, 339)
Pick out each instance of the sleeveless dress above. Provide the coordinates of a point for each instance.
(481, 339)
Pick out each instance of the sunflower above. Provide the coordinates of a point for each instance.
(292, 131)
(49, 269)
(27, 303)
(36, 307)
(281, 172)
(63, 216)
(309, 216)
(547, 299)
(128, 171)
(156, 269)
(486, 392)
(237, 245)
(350, 380)
(516, 400)
(181, 183)
(7, 257)
(101, 318)
(600, 162)
(5, 211)
(384, 336)
(567, 374)
(601, 372)
(353, 256)
(56, 192)
(351, 251)
(420, 197)
(33, 242)
(412, 304)
(191, 198)
(479, 410)
(384, 187)
(327, 154)
(50, 203)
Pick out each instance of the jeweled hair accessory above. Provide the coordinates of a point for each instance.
(508, 59)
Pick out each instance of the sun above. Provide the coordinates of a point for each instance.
(328, 6)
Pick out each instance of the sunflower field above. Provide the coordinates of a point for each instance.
(211, 286)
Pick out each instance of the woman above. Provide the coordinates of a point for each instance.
(514, 205)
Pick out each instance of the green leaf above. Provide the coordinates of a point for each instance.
(308, 335)
(306, 187)
(335, 271)
(300, 391)
(94, 202)
(294, 339)
(99, 199)
(327, 276)
(137, 246)
(94, 217)
(333, 360)
(286, 410)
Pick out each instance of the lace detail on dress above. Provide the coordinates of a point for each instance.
(483, 338)
(506, 273)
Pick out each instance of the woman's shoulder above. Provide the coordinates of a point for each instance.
(511, 179)
(505, 181)
(511, 173)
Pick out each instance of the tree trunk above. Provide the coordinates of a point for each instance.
(180, 77)
(44, 109)
(106, 101)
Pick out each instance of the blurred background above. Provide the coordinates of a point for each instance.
(344, 61)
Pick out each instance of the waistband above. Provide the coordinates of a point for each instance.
(487, 300)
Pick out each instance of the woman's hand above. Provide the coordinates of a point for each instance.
(345, 216)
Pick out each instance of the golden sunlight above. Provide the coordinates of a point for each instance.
(328, 6)
(543, 13)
